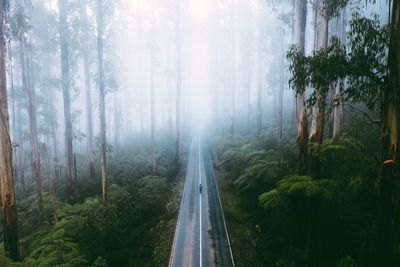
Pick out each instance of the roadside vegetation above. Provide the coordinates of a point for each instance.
(135, 228)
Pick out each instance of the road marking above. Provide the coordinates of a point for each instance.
(222, 210)
(172, 256)
(201, 260)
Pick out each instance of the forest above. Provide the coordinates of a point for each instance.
(180, 133)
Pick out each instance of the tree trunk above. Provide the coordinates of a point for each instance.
(152, 112)
(66, 98)
(318, 118)
(260, 75)
(280, 96)
(10, 225)
(152, 94)
(21, 159)
(338, 110)
(13, 114)
(178, 82)
(50, 181)
(103, 140)
(117, 124)
(391, 109)
(57, 167)
(389, 217)
(301, 113)
(233, 74)
(30, 93)
(89, 117)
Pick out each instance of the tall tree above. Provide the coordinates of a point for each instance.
(260, 75)
(10, 225)
(65, 80)
(338, 109)
(281, 90)
(389, 240)
(178, 81)
(21, 150)
(86, 69)
(152, 93)
(318, 116)
(30, 93)
(233, 66)
(50, 179)
(301, 112)
(102, 106)
(13, 113)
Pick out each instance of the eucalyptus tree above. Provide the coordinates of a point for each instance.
(370, 64)
(178, 29)
(316, 133)
(65, 81)
(21, 31)
(389, 242)
(152, 44)
(301, 112)
(103, 140)
(9, 207)
(86, 67)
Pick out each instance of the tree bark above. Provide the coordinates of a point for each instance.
(31, 109)
(318, 112)
(21, 159)
(10, 225)
(389, 217)
(65, 76)
(57, 167)
(86, 69)
(391, 109)
(13, 114)
(50, 181)
(338, 110)
(301, 113)
(103, 140)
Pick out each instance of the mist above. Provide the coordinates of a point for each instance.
(190, 133)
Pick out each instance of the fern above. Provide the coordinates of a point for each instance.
(271, 199)
(298, 186)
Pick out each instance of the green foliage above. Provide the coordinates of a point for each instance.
(100, 262)
(125, 232)
(265, 168)
(363, 64)
(298, 186)
(332, 8)
(296, 213)
(347, 157)
(347, 262)
(19, 24)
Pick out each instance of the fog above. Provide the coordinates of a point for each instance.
(220, 64)
(227, 50)
(268, 128)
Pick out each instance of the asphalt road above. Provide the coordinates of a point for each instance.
(200, 238)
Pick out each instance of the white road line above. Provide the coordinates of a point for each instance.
(220, 204)
(201, 260)
(171, 258)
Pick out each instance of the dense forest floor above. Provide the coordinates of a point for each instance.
(135, 228)
(276, 217)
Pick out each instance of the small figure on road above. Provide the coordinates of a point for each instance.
(200, 188)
